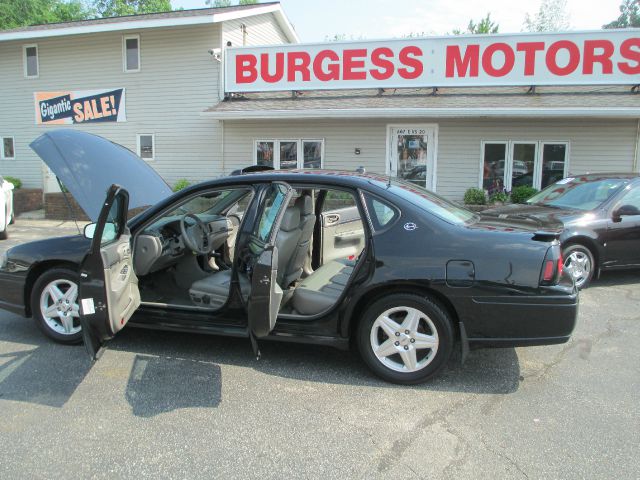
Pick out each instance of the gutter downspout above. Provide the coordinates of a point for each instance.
(636, 156)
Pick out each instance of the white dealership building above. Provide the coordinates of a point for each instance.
(200, 93)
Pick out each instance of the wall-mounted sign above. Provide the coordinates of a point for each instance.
(80, 106)
(574, 58)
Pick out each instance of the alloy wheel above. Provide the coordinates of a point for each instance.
(59, 307)
(404, 339)
(578, 264)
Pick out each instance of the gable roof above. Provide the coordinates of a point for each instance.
(590, 101)
(153, 20)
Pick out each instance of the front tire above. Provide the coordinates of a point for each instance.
(405, 338)
(580, 263)
(54, 303)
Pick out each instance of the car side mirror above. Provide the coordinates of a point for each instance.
(625, 211)
(89, 230)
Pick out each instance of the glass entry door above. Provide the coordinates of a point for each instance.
(411, 153)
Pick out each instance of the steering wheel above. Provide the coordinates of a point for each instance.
(195, 236)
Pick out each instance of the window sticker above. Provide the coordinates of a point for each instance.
(87, 306)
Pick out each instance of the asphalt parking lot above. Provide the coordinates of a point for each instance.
(166, 405)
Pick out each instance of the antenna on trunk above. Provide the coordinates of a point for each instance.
(63, 189)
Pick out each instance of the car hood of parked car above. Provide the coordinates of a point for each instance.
(87, 165)
(542, 213)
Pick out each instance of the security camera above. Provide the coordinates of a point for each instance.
(216, 53)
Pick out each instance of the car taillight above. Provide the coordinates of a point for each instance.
(560, 265)
(552, 266)
(549, 270)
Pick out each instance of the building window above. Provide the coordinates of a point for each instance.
(131, 53)
(8, 148)
(30, 61)
(289, 154)
(509, 164)
(146, 146)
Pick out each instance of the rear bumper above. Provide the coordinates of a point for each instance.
(522, 320)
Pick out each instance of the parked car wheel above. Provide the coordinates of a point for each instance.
(579, 262)
(4, 235)
(54, 303)
(405, 338)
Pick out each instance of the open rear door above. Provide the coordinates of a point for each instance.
(108, 285)
(266, 294)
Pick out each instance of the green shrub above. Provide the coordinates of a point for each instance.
(498, 197)
(522, 193)
(475, 196)
(17, 183)
(180, 184)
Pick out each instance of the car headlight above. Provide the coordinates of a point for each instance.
(3, 260)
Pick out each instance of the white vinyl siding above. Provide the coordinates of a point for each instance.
(596, 145)
(260, 30)
(178, 81)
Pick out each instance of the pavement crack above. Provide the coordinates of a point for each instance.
(400, 445)
(506, 457)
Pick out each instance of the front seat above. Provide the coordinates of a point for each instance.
(287, 239)
(293, 269)
(213, 291)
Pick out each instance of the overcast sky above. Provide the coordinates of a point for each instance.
(316, 19)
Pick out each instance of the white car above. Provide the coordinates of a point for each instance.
(6, 207)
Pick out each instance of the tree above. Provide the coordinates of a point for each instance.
(117, 8)
(484, 26)
(21, 13)
(552, 16)
(247, 2)
(629, 15)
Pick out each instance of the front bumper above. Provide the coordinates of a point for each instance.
(12, 292)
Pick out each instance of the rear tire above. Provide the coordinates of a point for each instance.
(580, 263)
(4, 235)
(405, 338)
(54, 305)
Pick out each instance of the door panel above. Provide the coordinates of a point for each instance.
(342, 234)
(262, 262)
(123, 295)
(108, 290)
(266, 294)
(623, 232)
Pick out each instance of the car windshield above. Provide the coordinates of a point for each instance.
(580, 193)
(432, 203)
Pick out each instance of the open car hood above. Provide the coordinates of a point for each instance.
(88, 165)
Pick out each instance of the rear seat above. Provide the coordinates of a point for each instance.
(320, 290)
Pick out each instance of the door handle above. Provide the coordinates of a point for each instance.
(331, 218)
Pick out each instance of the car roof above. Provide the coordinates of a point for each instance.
(335, 177)
(605, 175)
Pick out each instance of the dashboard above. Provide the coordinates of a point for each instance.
(161, 245)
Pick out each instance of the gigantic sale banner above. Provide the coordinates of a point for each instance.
(574, 58)
(80, 106)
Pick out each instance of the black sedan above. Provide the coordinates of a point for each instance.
(320, 257)
(600, 214)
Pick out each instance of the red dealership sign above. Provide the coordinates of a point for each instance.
(575, 58)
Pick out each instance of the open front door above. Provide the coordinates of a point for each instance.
(266, 294)
(108, 285)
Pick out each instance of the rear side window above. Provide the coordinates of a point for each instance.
(381, 213)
